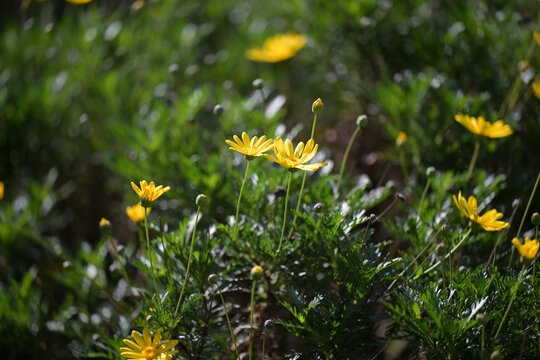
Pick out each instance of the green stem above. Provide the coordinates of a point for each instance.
(438, 263)
(238, 203)
(473, 160)
(285, 212)
(251, 319)
(303, 181)
(402, 163)
(189, 261)
(264, 343)
(345, 157)
(150, 256)
(121, 265)
(514, 292)
(420, 206)
(228, 322)
(525, 215)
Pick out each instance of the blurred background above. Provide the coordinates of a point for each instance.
(94, 96)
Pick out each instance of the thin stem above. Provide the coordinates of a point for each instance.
(228, 322)
(251, 319)
(238, 203)
(473, 160)
(189, 261)
(345, 157)
(525, 215)
(263, 100)
(483, 344)
(402, 163)
(514, 292)
(264, 343)
(317, 229)
(150, 256)
(446, 256)
(303, 181)
(420, 206)
(121, 265)
(285, 212)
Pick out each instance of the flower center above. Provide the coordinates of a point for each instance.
(149, 352)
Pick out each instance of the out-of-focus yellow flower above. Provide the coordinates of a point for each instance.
(138, 5)
(1, 190)
(144, 348)
(527, 250)
(479, 126)
(489, 221)
(136, 212)
(250, 148)
(536, 88)
(149, 192)
(79, 2)
(401, 138)
(293, 159)
(536, 36)
(104, 222)
(277, 48)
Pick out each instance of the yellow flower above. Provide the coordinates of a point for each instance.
(143, 348)
(479, 126)
(401, 138)
(536, 88)
(527, 250)
(79, 2)
(104, 222)
(489, 221)
(295, 159)
(1, 190)
(536, 36)
(149, 192)
(136, 212)
(251, 148)
(278, 48)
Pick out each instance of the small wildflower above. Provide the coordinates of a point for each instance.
(489, 221)
(479, 126)
(317, 106)
(278, 48)
(152, 309)
(536, 36)
(104, 222)
(536, 88)
(149, 192)
(136, 212)
(293, 159)
(361, 121)
(529, 249)
(144, 348)
(250, 148)
(218, 110)
(256, 272)
(201, 200)
(401, 138)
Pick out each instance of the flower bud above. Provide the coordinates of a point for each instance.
(213, 279)
(280, 191)
(481, 318)
(105, 226)
(430, 171)
(496, 355)
(201, 200)
(401, 138)
(318, 207)
(258, 84)
(400, 197)
(218, 110)
(361, 121)
(535, 219)
(317, 106)
(269, 323)
(256, 272)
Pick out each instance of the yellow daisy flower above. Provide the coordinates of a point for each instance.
(536, 88)
(277, 48)
(295, 159)
(401, 138)
(479, 126)
(250, 148)
(144, 348)
(489, 221)
(79, 2)
(136, 212)
(149, 192)
(527, 250)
